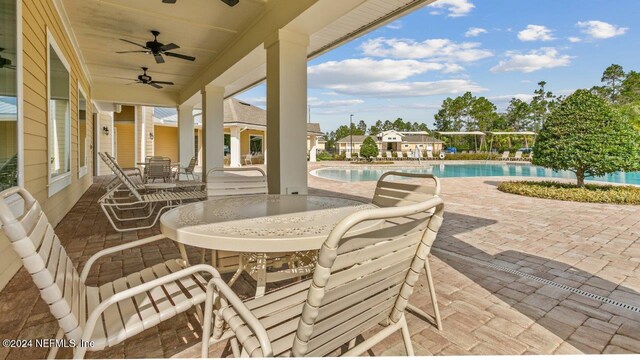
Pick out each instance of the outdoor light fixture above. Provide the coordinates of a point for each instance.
(105, 130)
(150, 136)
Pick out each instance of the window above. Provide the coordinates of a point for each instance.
(255, 144)
(59, 123)
(8, 95)
(82, 133)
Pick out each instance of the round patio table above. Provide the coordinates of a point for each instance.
(261, 224)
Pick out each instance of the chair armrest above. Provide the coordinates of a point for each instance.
(220, 286)
(115, 249)
(140, 289)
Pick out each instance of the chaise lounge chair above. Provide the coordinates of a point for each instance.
(113, 207)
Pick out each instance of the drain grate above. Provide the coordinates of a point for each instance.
(573, 290)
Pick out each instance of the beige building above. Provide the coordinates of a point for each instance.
(393, 141)
(244, 133)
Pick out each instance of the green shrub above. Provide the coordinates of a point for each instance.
(324, 156)
(369, 149)
(592, 193)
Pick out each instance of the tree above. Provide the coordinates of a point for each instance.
(483, 114)
(589, 137)
(630, 89)
(613, 77)
(444, 116)
(362, 126)
(518, 116)
(541, 105)
(369, 149)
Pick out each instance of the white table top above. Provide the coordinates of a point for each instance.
(261, 223)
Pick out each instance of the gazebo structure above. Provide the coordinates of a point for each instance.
(475, 135)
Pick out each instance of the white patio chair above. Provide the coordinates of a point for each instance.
(112, 312)
(248, 159)
(186, 171)
(389, 155)
(379, 156)
(360, 281)
(517, 156)
(505, 156)
(401, 155)
(391, 193)
(347, 156)
(430, 155)
(223, 182)
(158, 168)
(113, 206)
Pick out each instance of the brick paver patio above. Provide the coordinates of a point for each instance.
(514, 275)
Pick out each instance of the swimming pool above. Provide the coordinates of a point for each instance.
(467, 170)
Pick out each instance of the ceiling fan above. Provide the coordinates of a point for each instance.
(5, 63)
(147, 80)
(228, 2)
(157, 49)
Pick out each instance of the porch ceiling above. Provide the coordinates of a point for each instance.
(226, 41)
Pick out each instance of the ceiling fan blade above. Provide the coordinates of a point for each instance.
(135, 51)
(185, 57)
(168, 47)
(163, 82)
(153, 83)
(159, 58)
(131, 42)
(123, 78)
(231, 2)
(169, 1)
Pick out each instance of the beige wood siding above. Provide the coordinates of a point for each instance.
(125, 143)
(105, 141)
(166, 142)
(37, 17)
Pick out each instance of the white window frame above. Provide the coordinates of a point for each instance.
(15, 202)
(261, 142)
(61, 181)
(82, 170)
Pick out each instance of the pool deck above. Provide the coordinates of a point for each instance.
(514, 275)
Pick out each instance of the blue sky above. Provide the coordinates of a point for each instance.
(495, 48)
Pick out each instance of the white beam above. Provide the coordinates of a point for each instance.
(212, 128)
(185, 134)
(286, 112)
(313, 140)
(235, 147)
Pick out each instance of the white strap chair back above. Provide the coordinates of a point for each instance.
(159, 168)
(192, 165)
(366, 279)
(398, 193)
(117, 170)
(236, 181)
(34, 240)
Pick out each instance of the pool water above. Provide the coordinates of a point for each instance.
(468, 170)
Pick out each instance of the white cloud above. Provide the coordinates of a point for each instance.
(456, 8)
(434, 49)
(534, 60)
(408, 89)
(600, 29)
(475, 31)
(396, 25)
(536, 33)
(575, 39)
(366, 70)
(317, 103)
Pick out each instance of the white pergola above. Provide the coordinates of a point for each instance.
(475, 134)
(236, 48)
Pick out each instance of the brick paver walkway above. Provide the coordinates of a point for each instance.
(513, 275)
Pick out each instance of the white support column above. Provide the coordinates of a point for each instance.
(235, 147)
(286, 112)
(185, 134)
(212, 128)
(313, 140)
